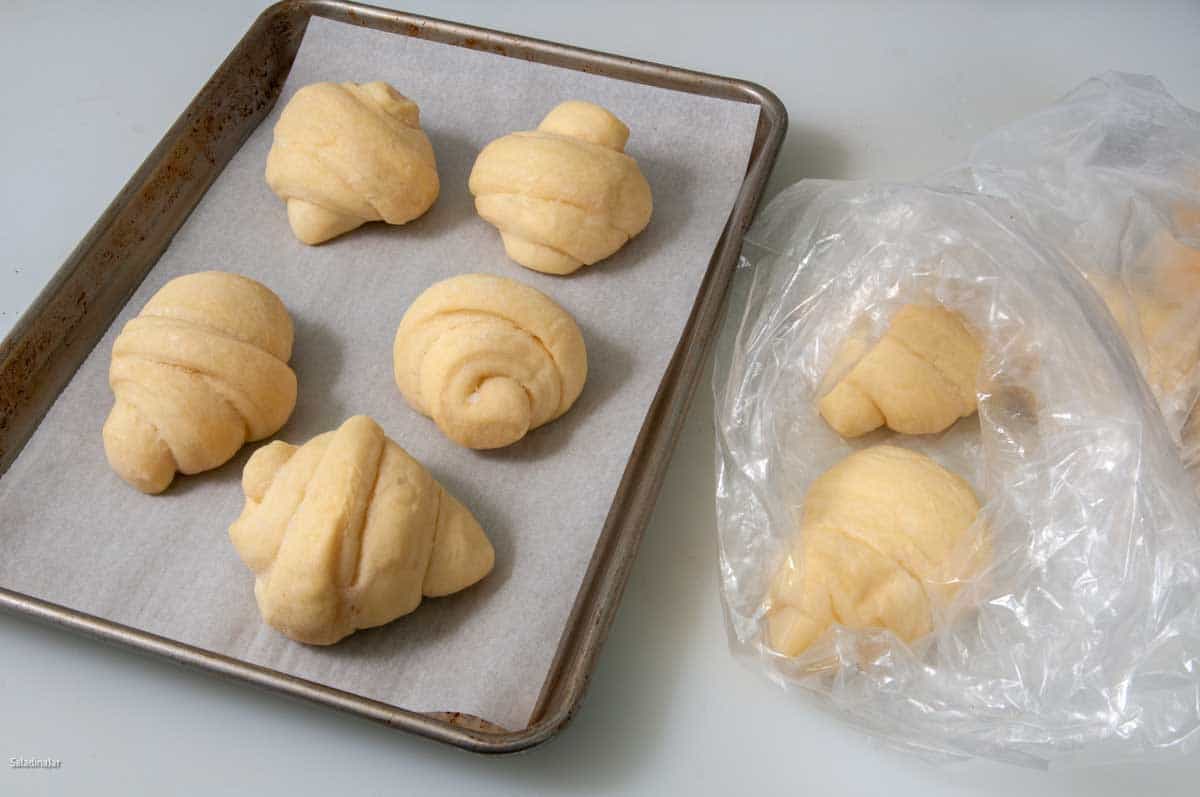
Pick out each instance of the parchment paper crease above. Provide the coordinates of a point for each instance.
(74, 534)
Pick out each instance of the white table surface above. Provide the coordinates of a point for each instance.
(872, 92)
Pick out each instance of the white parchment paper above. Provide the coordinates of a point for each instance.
(75, 534)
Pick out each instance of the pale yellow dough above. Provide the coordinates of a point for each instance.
(918, 379)
(488, 358)
(201, 370)
(881, 542)
(563, 195)
(348, 531)
(1159, 317)
(348, 153)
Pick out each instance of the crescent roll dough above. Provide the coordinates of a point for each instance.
(875, 549)
(918, 379)
(349, 153)
(1161, 329)
(563, 195)
(201, 370)
(488, 359)
(1157, 314)
(348, 531)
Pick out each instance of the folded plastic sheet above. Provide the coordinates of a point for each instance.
(1111, 175)
(1078, 639)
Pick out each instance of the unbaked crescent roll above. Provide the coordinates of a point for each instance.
(348, 531)
(199, 371)
(488, 359)
(566, 194)
(349, 153)
(883, 540)
(918, 379)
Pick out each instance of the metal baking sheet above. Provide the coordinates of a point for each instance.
(491, 652)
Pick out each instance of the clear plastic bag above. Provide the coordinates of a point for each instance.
(1080, 638)
(1111, 174)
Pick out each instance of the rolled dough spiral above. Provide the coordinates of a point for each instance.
(488, 359)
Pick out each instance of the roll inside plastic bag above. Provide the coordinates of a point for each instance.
(1111, 174)
(1065, 623)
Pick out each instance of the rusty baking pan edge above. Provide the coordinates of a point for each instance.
(53, 337)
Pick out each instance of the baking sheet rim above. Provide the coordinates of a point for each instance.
(595, 605)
